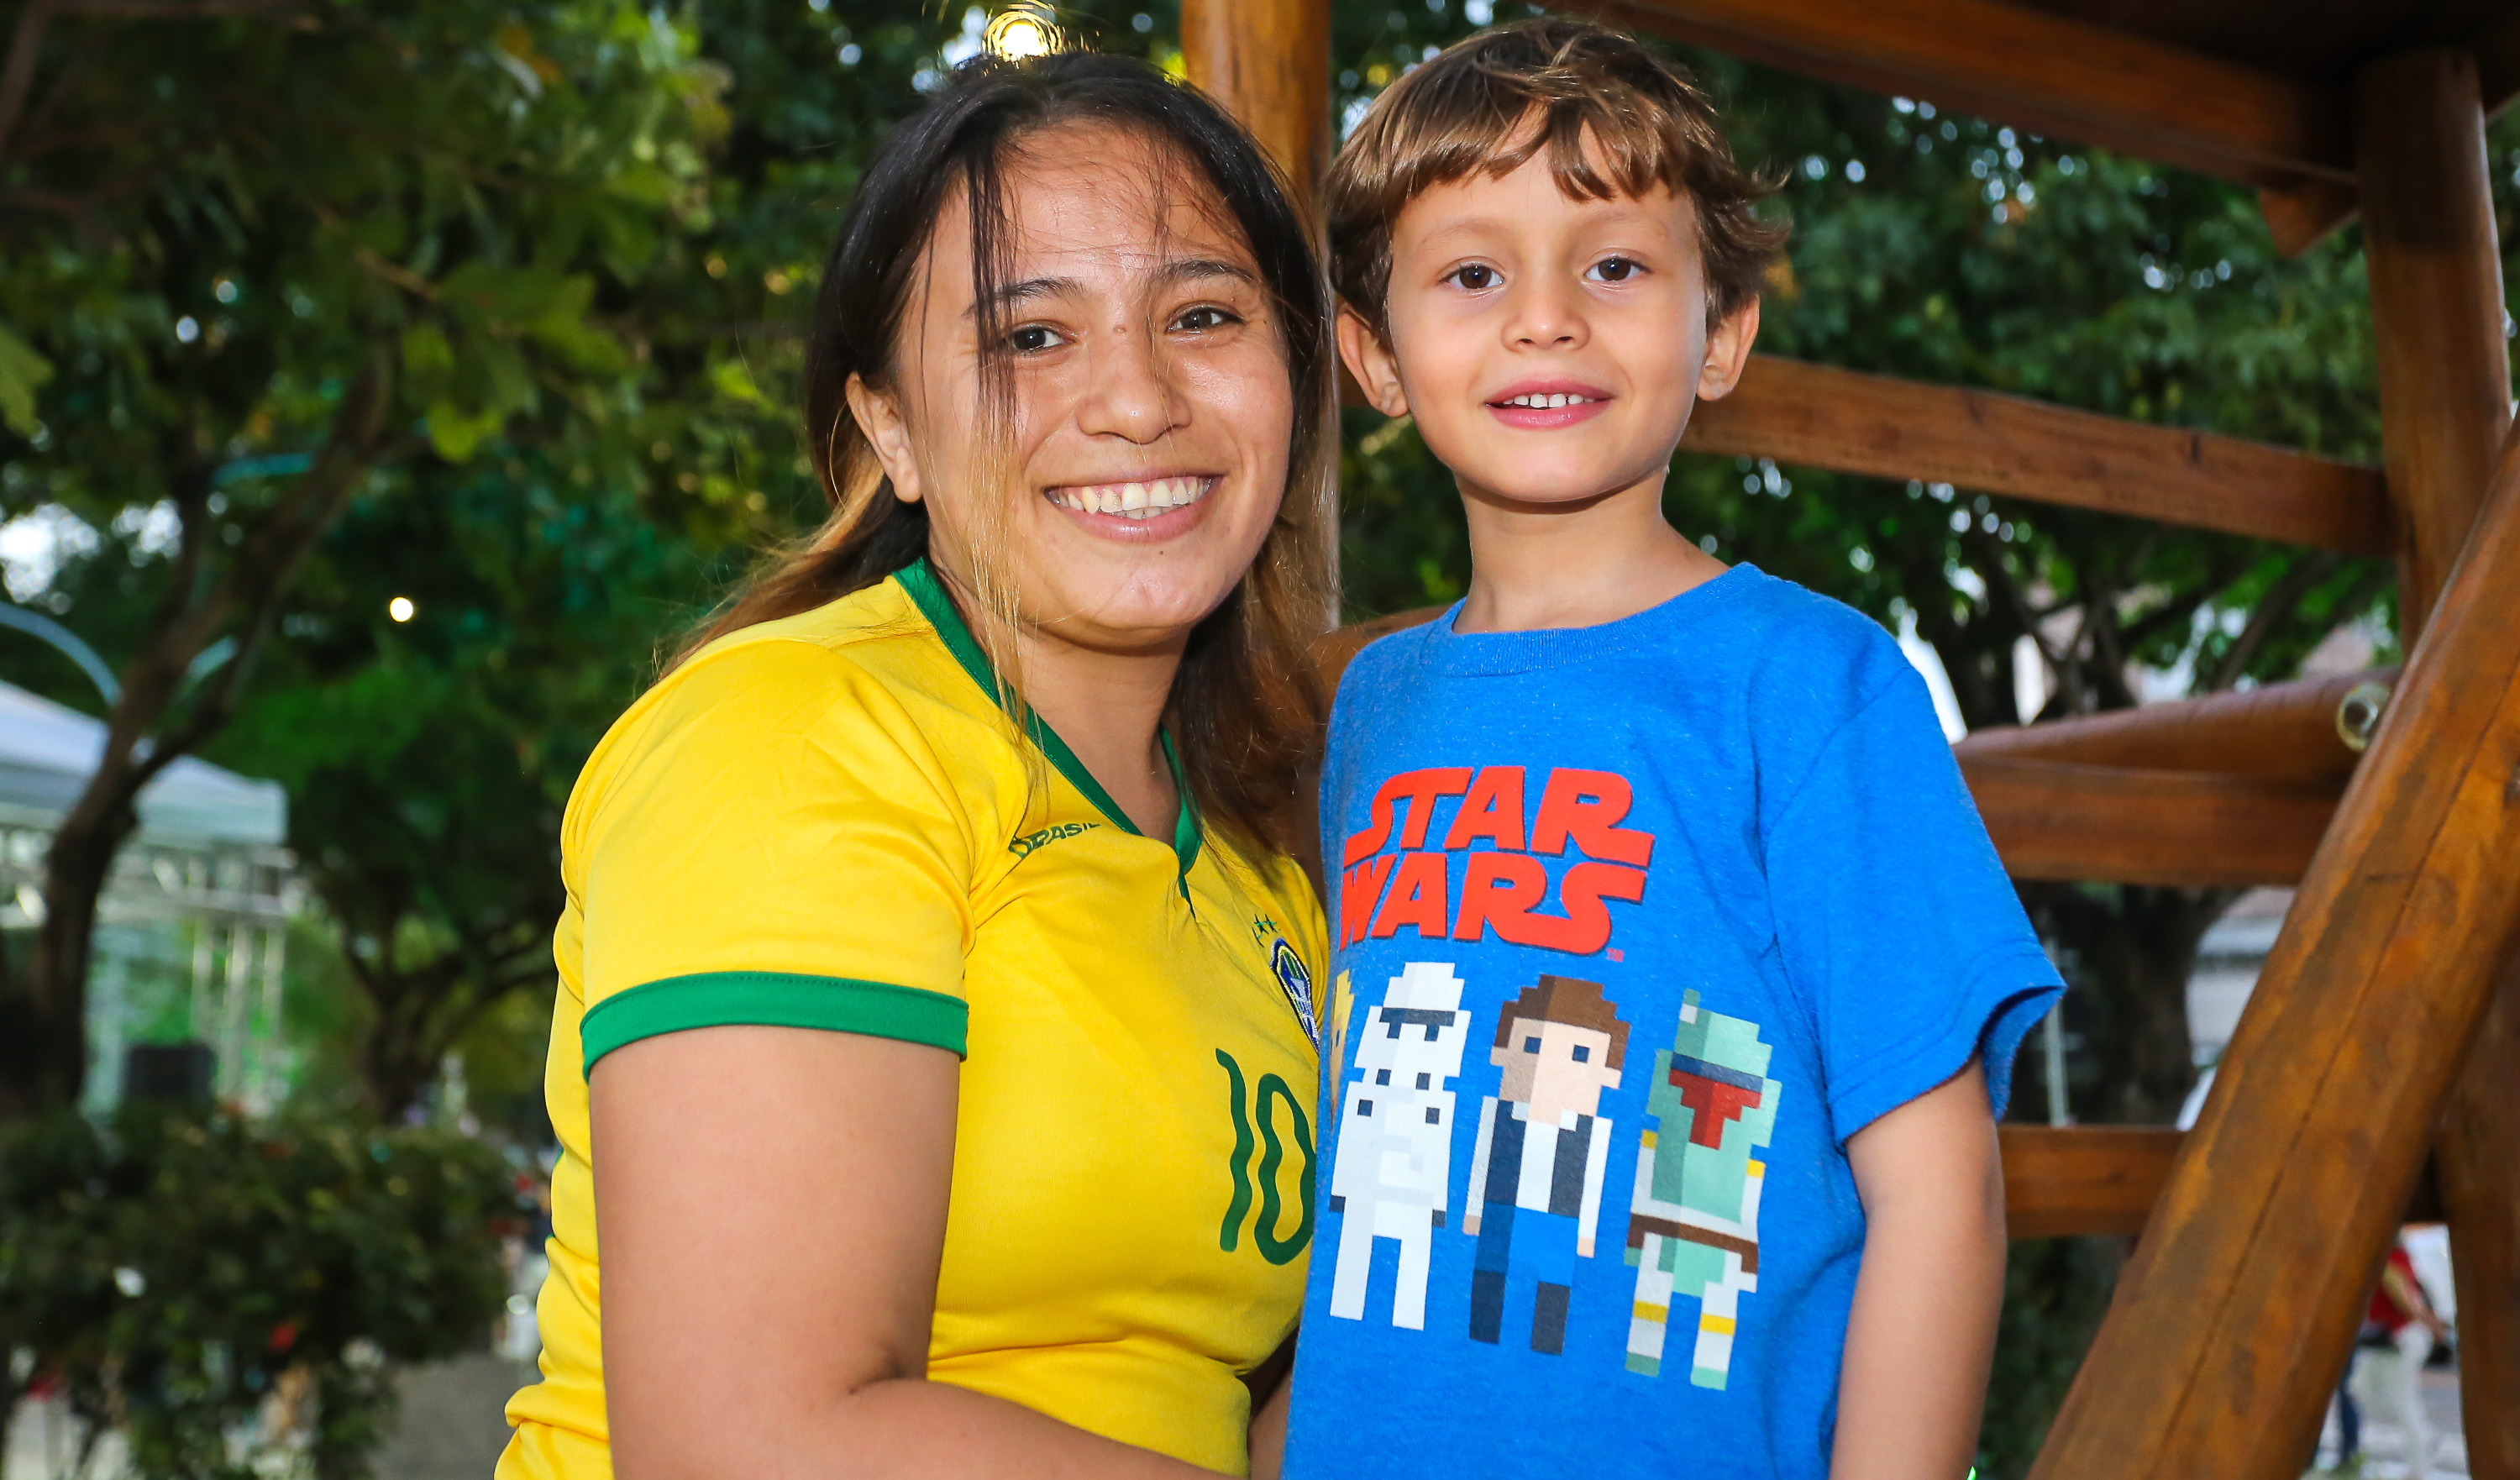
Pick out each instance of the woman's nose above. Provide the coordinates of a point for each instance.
(1130, 395)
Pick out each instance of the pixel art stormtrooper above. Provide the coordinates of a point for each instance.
(1535, 1179)
(1694, 1225)
(1395, 1138)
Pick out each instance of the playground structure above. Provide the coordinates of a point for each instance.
(2377, 1068)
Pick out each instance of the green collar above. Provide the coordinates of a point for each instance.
(933, 604)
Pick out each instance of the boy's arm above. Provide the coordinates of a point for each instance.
(1922, 1336)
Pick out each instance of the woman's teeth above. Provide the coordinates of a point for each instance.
(1542, 403)
(1133, 501)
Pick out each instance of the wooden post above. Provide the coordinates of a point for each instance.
(2232, 1319)
(1268, 63)
(2436, 304)
(2445, 408)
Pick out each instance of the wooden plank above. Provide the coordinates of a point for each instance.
(1818, 416)
(2280, 732)
(2060, 1181)
(2445, 369)
(1268, 63)
(2445, 383)
(2232, 1319)
(2045, 74)
(2302, 216)
(2184, 829)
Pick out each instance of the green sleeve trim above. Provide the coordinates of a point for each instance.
(772, 999)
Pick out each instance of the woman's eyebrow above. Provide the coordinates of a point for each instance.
(1191, 269)
(1010, 294)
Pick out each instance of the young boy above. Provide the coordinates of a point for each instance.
(1623, 791)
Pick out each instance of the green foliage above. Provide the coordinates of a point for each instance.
(176, 1272)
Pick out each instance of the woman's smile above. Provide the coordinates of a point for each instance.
(1141, 508)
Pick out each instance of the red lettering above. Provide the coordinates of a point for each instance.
(1491, 810)
(1585, 806)
(1585, 925)
(1417, 898)
(1419, 789)
(1360, 891)
(1500, 891)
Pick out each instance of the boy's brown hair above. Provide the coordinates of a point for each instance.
(1569, 1000)
(1473, 108)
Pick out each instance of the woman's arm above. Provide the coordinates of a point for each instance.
(771, 1205)
(1922, 1336)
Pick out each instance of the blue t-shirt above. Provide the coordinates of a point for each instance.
(1636, 924)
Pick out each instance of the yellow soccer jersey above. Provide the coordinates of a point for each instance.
(825, 822)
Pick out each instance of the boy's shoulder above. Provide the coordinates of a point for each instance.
(1778, 641)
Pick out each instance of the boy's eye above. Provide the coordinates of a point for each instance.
(1033, 338)
(1531, 1046)
(1205, 319)
(1477, 277)
(1615, 270)
(1583, 1054)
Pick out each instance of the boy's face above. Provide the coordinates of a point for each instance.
(1549, 348)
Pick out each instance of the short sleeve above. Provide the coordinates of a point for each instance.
(772, 841)
(1895, 922)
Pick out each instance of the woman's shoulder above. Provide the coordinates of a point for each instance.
(859, 685)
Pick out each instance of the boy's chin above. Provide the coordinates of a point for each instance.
(1542, 493)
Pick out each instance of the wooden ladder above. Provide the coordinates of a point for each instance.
(2386, 1023)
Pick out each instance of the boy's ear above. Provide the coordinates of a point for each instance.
(1728, 353)
(1369, 360)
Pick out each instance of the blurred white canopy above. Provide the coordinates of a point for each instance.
(47, 752)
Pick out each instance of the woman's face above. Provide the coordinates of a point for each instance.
(1152, 408)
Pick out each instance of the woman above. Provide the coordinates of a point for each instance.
(934, 1028)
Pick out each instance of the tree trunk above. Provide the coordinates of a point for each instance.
(2129, 950)
(43, 1013)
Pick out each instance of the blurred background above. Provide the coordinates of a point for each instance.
(384, 385)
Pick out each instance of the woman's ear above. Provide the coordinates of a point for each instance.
(1728, 353)
(879, 420)
(1370, 360)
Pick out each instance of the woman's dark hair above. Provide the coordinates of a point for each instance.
(1244, 710)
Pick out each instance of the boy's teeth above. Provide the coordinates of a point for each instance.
(1133, 501)
(1545, 402)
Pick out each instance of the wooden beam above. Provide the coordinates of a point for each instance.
(2062, 1180)
(2041, 73)
(1818, 415)
(2304, 215)
(2234, 1319)
(2180, 830)
(2437, 312)
(1268, 63)
(2288, 733)
(2445, 387)
(2481, 1196)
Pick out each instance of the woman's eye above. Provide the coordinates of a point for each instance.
(1033, 338)
(1477, 277)
(1615, 270)
(1207, 318)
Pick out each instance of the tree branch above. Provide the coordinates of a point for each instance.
(18, 72)
(2280, 601)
